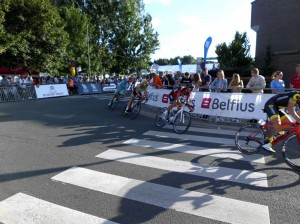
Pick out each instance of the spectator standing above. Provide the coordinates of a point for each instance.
(206, 80)
(202, 64)
(295, 81)
(186, 80)
(169, 81)
(156, 81)
(197, 81)
(219, 84)
(76, 82)
(257, 82)
(5, 81)
(277, 84)
(236, 84)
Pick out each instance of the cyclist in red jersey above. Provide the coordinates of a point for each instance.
(177, 96)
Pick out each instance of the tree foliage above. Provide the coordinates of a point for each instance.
(34, 35)
(236, 54)
(45, 35)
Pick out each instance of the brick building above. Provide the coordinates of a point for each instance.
(277, 25)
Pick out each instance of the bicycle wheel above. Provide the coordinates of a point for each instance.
(160, 121)
(114, 103)
(291, 152)
(182, 123)
(123, 111)
(135, 110)
(249, 138)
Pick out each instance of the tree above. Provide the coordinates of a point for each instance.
(236, 54)
(36, 35)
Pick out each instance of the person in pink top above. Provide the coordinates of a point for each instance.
(295, 81)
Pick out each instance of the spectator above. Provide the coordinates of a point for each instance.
(169, 81)
(257, 82)
(202, 64)
(71, 86)
(156, 81)
(236, 84)
(277, 84)
(186, 80)
(5, 81)
(197, 81)
(220, 84)
(295, 81)
(206, 80)
(76, 82)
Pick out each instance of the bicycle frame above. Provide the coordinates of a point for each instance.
(295, 129)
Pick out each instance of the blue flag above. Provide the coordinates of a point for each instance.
(206, 46)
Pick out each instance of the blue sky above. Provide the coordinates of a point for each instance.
(184, 25)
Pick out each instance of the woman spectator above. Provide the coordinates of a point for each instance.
(220, 83)
(169, 82)
(277, 84)
(236, 84)
(197, 82)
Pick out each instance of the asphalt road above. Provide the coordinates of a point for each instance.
(70, 160)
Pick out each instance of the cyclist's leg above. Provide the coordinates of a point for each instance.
(113, 97)
(130, 101)
(273, 114)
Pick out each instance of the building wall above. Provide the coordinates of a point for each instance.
(277, 24)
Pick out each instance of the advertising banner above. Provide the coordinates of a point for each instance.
(89, 88)
(47, 91)
(234, 105)
(109, 87)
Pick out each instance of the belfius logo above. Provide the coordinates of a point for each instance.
(230, 105)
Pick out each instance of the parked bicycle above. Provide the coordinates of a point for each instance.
(251, 137)
(180, 119)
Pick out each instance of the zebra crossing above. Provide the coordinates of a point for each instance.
(23, 208)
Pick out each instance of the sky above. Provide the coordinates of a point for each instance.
(184, 25)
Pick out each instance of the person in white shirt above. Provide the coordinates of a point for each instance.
(257, 82)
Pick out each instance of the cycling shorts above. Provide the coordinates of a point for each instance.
(134, 92)
(120, 91)
(273, 111)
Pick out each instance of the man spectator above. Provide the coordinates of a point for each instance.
(206, 80)
(257, 82)
(186, 80)
(156, 81)
(295, 81)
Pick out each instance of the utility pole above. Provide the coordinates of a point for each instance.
(88, 48)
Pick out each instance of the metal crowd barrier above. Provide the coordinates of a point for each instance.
(17, 93)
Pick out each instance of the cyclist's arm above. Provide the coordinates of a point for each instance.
(291, 110)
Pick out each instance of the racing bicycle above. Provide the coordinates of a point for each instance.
(180, 119)
(251, 137)
(135, 107)
(115, 101)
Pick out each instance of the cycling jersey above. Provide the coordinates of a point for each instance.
(122, 87)
(143, 85)
(279, 101)
(177, 92)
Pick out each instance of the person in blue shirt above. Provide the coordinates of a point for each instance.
(220, 84)
(121, 88)
(277, 84)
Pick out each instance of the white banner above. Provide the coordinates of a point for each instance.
(235, 105)
(46, 91)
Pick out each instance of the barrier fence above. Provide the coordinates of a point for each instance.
(17, 93)
(212, 106)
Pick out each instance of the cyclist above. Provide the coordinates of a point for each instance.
(138, 91)
(121, 89)
(279, 118)
(178, 95)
